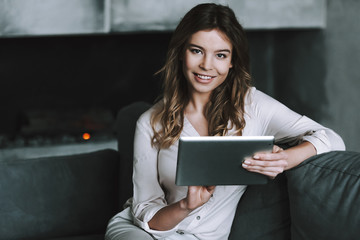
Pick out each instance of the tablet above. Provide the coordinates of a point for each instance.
(206, 161)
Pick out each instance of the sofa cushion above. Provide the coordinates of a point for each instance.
(58, 196)
(324, 193)
(263, 212)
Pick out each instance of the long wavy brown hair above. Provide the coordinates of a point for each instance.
(226, 102)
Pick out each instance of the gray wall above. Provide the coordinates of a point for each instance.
(316, 72)
(342, 82)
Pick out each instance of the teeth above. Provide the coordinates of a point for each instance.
(203, 77)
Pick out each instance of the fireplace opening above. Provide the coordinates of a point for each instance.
(54, 127)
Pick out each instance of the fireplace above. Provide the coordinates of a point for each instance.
(53, 90)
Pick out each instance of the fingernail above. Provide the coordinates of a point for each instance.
(247, 162)
(244, 165)
(256, 157)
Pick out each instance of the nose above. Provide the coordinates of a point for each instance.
(206, 63)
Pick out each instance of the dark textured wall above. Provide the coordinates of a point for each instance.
(291, 67)
(79, 71)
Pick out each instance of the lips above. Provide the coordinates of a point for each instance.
(203, 78)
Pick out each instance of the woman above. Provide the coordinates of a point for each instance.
(207, 91)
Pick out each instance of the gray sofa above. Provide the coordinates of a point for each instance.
(73, 197)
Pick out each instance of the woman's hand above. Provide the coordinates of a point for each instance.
(270, 164)
(168, 217)
(197, 196)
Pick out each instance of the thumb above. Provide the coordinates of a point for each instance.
(277, 149)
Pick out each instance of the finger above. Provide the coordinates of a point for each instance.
(198, 195)
(270, 156)
(266, 163)
(264, 169)
(195, 191)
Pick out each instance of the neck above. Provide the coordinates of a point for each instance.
(197, 103)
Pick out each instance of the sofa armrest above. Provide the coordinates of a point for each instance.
(263, 212)
(324, 194)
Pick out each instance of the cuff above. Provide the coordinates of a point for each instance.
(320, 141)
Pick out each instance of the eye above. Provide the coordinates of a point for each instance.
(196, 51)
(221, 55)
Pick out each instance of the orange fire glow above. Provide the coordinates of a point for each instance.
(86, 136)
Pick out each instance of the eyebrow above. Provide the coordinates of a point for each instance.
(220, 50)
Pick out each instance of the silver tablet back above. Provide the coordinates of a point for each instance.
(205, 161)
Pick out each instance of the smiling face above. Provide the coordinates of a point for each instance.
(207, 61)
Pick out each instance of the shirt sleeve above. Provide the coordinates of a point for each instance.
(148, 195)
(291, 128)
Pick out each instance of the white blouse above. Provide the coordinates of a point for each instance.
(154, 171)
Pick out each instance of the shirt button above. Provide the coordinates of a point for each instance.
(198, 217)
